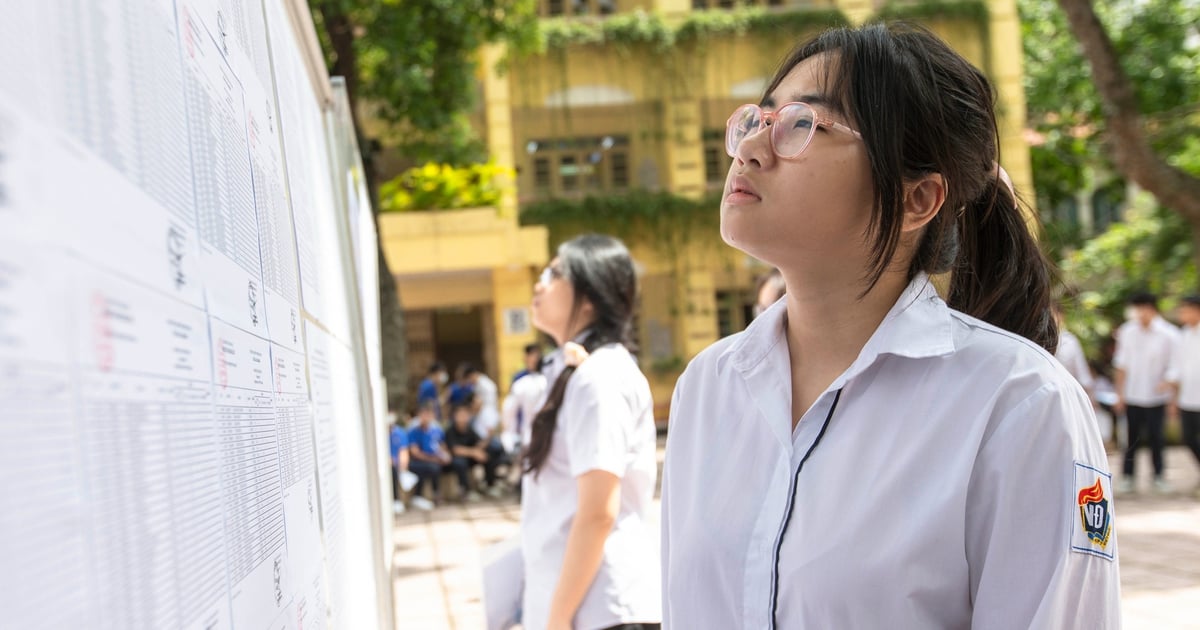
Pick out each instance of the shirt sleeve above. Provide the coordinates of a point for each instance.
(595, 419)
(1121, 352)
(1024, 520)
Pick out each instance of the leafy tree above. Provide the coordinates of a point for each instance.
(1088, 134)
(1147, 81)
(410, 66)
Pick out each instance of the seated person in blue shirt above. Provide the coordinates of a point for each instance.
(462, 389)
(399, 446)
(430, 388)
(427, 448)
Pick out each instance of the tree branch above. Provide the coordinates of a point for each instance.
(1132, 153)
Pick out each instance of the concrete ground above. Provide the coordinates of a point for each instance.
(438, 555)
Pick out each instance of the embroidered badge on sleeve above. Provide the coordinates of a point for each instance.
(1092, 513)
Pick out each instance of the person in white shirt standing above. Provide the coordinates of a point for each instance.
(1070, 352)
(865, 454)
(588, 545)
(1141, 362)
(1185, 374)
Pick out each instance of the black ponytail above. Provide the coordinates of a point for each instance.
(1001, 275)
(601, 272)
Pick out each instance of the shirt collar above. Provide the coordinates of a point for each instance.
(918, 325)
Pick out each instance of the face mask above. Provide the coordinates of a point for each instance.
(442, 378)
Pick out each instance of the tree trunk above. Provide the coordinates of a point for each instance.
(1132, 153)
(394, 351)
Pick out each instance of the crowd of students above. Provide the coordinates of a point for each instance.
(457, 429)
(1154, 377)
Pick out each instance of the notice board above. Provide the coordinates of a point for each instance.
(188, 406)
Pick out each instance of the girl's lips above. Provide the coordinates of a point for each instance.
(738, 198)
(742, 191)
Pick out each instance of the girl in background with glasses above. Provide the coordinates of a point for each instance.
(590, 553)
(868, 454)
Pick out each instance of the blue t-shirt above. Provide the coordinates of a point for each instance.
(427, 439)
(399, 440)
(459, 393)
(428, 391)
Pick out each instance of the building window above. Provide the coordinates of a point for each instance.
(541, 174)
(568, 173)
(735, 309)
(716, 162)
(620, 170)
(556, 8)
(730, 4)
(579, 165)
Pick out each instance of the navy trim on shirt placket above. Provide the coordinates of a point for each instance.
(787, 516)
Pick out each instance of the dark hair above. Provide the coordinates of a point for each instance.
(533, 347)
(1190, 300)
(436, 367)
(921, 108)
(600, 271)
(1144, 298)
(455, 407)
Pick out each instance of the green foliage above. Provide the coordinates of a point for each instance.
(444, 187)
(415, 62)
(1156, 41)
(666, 219)
(1159, 47)
(924, 10)
(1150, 251)
(650, 31)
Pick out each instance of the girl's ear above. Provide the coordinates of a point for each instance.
(923, 199)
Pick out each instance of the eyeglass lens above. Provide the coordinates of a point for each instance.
(790, 131)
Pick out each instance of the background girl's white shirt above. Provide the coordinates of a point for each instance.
(942, 495)
(526, 397)
(1145, 356)
(606, 423)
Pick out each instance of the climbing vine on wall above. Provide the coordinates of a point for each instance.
(664, 219)
(974, 10)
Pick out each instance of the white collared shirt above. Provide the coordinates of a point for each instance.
(943, 492)
(1144, 354)
(606, 422)
(1070, 354)
(525, 397)
(489, 408)
(1186, 368)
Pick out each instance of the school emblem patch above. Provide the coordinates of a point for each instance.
(1092, 514)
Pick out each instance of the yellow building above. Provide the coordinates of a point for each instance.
(629, 96)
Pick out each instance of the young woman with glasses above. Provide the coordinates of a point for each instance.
(868, 454)
(591, 555)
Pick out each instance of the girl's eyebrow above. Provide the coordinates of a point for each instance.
(818, 100)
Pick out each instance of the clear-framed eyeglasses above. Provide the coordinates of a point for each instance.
(791, 127)
(549, 274)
